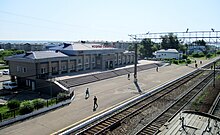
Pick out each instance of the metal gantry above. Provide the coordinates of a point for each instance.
(210, 37)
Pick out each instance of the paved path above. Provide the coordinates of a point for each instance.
(109, 92)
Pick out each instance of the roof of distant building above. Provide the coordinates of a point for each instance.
(168, 50)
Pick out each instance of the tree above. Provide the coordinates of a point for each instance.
(146, 49)
(131, 48)
(170, 41)
(202, 43)
(182, 48)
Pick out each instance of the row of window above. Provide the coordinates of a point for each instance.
(21, 69)
(86, 60)
(64, 68)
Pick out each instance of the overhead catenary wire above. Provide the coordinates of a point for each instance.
(55, 22)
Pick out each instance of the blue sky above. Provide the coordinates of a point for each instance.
(112, 20)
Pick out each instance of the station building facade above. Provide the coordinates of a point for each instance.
(33, 68)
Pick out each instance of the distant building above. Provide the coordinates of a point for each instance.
(195, 48)
(167, 54)
(23, 46)
(32, 68)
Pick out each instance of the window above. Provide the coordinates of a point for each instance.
(19, 69)
(64, 68)
(87, 60)
(24, 70)
(54, 69)
(93, 59)
(43, 70)
(79, 61)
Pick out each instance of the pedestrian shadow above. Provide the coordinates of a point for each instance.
(138, 87)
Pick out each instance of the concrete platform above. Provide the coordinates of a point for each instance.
(110, 92)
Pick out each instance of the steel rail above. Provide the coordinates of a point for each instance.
(167, 115)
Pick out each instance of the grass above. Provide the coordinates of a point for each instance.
(4, 67)
(196, 104)
(3, 109)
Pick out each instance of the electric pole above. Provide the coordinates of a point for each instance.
(135, 57)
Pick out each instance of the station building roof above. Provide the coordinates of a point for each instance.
(67, 50)
(37, 55)
(86, 48)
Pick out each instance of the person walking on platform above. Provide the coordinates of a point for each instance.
(157, 68)
(128, 76)
(95, 103)
(200, 62)
(87, 93)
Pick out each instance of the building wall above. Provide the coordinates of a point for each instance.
(164, 55)
(34, 75)
(22, 69)
(23, 46)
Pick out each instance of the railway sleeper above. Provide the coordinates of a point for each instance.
(114, 119)
(106, 123)
(153, 125)
(89, 132)
(111, 121)
(148, 131)
(100, 127)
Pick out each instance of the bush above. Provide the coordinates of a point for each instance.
(209, 55)
(26, 107)
(218, 52)
(181, 61)
(2, 62)
(188, 61)
(61, 97)
(176, 62)
(185, 56)
(38, 103)
(13, 104)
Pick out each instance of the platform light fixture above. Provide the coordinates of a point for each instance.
(213, 30)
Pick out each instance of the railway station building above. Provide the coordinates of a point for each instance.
(32, 69)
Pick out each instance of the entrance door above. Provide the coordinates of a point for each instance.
(106, 65)
(111, 64)
(33, 85)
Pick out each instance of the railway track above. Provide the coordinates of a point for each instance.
(117, 118)
(153, 126)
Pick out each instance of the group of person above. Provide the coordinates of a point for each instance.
(196, 65)
(95, 103)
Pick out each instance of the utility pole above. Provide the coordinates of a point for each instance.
(135, 57)
(135, 62)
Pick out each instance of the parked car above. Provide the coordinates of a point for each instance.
(9, 85)
(5, 72)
